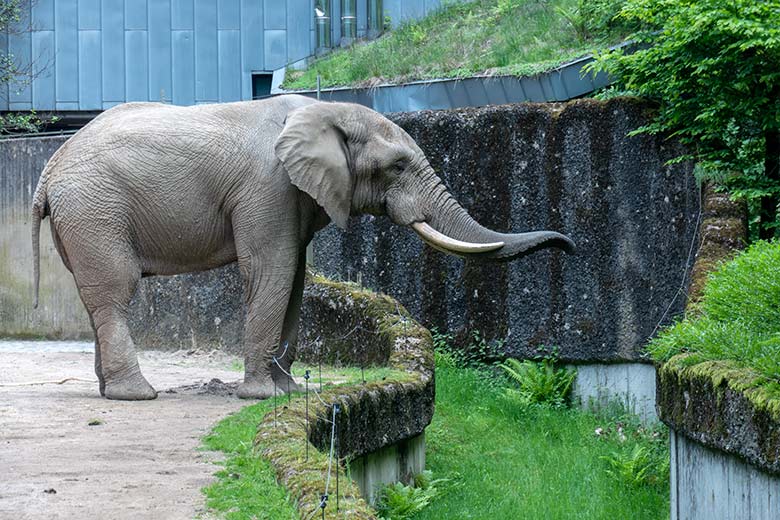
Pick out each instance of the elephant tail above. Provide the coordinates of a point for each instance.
(40, 210)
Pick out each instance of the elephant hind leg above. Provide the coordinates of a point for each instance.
(106, 281)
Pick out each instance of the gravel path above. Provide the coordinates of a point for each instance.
(137, 460)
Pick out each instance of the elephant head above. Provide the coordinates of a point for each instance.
(353, 160)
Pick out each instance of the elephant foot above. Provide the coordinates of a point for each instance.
(133, 388)
(285, 384)
(258, 390)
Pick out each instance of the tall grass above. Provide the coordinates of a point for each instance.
(477, 37)
(738, 317)
(511, 461)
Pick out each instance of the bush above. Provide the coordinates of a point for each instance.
(712, 67)
(738, 317)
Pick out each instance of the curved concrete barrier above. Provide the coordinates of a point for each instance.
(380, 424)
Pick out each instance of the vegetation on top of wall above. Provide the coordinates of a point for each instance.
(737, 318)
(712, 66)
(481, 37)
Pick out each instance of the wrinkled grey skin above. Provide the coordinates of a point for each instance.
(151, 189)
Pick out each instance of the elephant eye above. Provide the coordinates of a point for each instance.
(399, 166)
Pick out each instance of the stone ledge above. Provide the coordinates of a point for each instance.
(722, 406)
(373, 415)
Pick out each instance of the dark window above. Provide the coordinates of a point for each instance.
(261, 85)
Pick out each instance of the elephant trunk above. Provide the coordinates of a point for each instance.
(451, 229)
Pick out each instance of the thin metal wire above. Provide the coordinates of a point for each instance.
(687, 264)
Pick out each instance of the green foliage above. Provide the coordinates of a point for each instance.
(531, 462)
(591, 18)
(712, 66)
(476, 353)
(638, 467)
(467, 38)
(399, 502)
(540, 382)
(738, 317)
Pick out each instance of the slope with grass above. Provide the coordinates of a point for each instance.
(493, 37)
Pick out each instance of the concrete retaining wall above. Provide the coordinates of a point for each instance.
(708, 484)
(725, 453)
(567, 167)
(631, 385)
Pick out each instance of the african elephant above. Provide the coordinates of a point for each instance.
(153, 189)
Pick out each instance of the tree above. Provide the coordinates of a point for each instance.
(14, 17)
(714, 68)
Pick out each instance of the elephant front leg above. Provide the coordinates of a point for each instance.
(268, 295)
(285, 355)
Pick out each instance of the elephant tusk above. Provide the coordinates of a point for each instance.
(442, 241)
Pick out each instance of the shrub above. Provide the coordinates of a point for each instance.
(738, 317)
(712, 66)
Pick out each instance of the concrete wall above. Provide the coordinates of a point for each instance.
(564, 167)
(567, 167)
(708, 484)
(399, 462)
(631, 385)
(61, 314)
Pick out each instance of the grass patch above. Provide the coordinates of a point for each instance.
(510, 460)
(494, 37)
(246, 487)
(737, 319)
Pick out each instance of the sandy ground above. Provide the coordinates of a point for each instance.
(141, 460)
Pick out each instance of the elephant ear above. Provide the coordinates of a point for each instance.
(313, 150)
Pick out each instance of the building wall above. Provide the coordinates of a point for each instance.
(89, 55)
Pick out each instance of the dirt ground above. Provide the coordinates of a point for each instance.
(136, 460)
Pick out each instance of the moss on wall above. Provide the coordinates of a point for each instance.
(723, 406)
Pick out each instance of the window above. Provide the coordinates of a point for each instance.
(322, 19)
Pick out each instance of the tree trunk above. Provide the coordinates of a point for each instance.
(772, 172)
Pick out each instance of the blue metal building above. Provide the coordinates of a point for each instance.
(89, 55)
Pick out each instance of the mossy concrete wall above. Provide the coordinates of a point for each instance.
(568, 167)
(380, 424)
(725, 452)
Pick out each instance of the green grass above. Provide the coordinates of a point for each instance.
(738, 318)
(511, 461)
(494, 37)
(246, 487)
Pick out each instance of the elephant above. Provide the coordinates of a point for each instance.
(154, 189)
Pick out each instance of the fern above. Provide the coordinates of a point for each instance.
(540, 382)
(399, 502)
